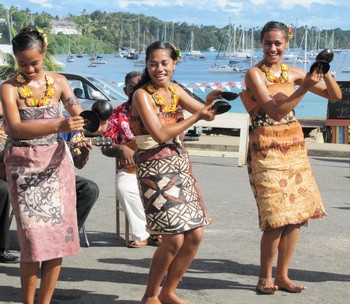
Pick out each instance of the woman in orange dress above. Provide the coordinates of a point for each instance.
(39, 169)
(172, 201)
(279, 170)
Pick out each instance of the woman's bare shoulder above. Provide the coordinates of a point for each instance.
(140, 91)
(8, 85)
(58, 77)
(253, 74)
(11, 81)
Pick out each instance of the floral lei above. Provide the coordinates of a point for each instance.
(26, 93)
(272, 77)
(160, 100)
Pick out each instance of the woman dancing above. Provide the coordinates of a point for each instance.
(39, 169)
(280, 174)
(172, 201)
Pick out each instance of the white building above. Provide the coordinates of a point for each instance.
(64, 26)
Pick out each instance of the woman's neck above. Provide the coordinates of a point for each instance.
(160, 87)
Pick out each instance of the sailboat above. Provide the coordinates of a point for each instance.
(233, 66)
(231, 51)
(70, 57)
(191, 53)
(80, 52)
(331, 44)
(95, 58)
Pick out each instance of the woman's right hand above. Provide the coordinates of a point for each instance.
(75, 123)
(206, 113)
(312, 79)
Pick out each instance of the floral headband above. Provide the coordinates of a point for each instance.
(177, 52)
(43, 36)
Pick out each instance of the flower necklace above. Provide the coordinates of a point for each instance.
(272, 77)
(160, 100)
(26, 93)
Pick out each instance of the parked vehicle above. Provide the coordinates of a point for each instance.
(88, 89)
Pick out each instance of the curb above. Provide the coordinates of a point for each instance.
(314, 149)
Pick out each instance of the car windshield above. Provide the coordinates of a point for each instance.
(108, 88)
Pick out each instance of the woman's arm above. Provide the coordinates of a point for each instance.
(144, 106)
(68, 98)
(328, 89)
(191, 104)
(255, 82)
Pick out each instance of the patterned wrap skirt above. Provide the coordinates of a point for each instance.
(281, 176)
(41, 180)
(169, 192)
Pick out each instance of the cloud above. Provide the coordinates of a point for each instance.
(43, 3)
(204, 4)
(220, 4)
(307, 3)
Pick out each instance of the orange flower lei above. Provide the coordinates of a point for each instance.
(272, 77)
(25, 92)
(160, 100)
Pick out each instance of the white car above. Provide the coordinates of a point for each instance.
(89, 88)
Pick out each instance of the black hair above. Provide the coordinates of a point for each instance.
(274, 26)
(157, 45)
(28, 38)
(130, 76)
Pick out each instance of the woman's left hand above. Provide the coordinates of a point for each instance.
(206, 113)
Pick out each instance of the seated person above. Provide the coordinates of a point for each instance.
(5, 255)
(87, 190)
(78, 92)
(126, 186)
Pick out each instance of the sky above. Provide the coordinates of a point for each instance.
(323, 14)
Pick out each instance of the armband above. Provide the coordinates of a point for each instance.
(71, 101)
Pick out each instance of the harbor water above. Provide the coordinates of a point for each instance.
(196, 77)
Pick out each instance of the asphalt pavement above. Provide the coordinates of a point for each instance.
(226, 268)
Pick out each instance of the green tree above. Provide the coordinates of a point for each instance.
(10, 66)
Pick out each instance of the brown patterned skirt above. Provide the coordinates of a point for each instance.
(170, 195)
(281, 177)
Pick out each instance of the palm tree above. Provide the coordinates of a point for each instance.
(10, 67)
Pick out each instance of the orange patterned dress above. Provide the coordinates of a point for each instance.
(280, 174)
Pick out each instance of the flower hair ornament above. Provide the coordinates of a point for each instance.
(177, 52)
(43, 36)
(290, 31)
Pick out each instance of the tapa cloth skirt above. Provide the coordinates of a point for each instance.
(169, 191)
(281, 177)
